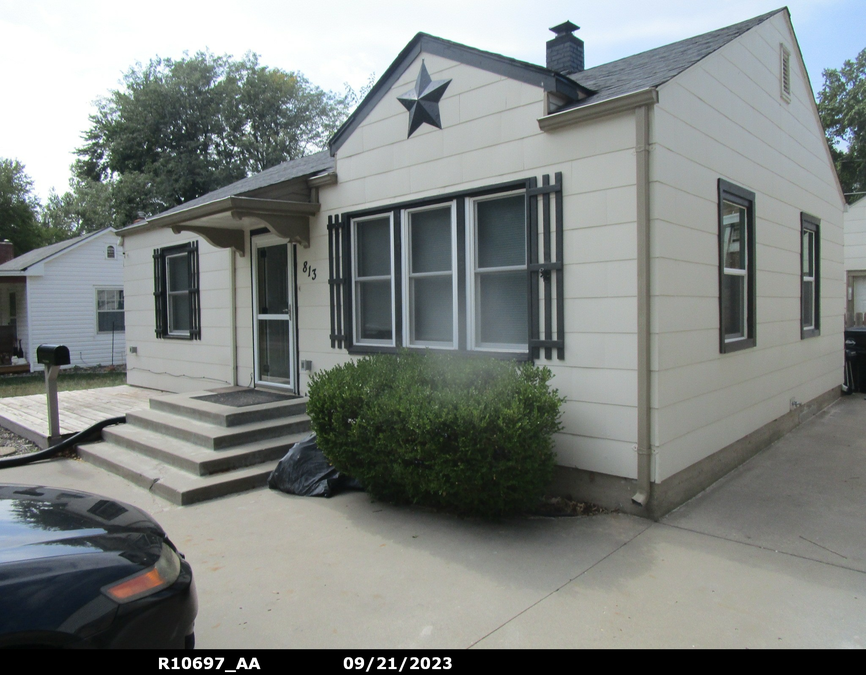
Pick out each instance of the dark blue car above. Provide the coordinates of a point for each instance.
(80, 570)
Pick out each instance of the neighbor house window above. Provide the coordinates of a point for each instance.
(463, 282)
(810, 276)
(176, 294)
(109, 310)
(110, 252)
(372, 270)
(736, 267)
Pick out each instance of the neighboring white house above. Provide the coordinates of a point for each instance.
(855, 261)
(650, 229)
(68, 293)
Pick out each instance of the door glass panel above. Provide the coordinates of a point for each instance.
(273, 280)
(274, 356)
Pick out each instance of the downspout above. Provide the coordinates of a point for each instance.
(233, 292)
(644, 445)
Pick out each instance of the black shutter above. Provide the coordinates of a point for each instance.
(159, 293)
(194, 297)
(546, 289)
(336, 234)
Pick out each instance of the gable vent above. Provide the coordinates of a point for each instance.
(785, 72)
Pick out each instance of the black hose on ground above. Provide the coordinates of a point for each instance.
(80, 437)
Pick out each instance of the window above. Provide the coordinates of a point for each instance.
(785, 72)
(736, 267)
(176, 293)
(372, 270)
(463, 280)
(430, 267)
(810, 276)
(499, 320)
(109, 310)
(110, 252)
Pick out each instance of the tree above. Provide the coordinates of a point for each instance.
(19, 208)
(86, 207)
(179, 129)
(842, 107)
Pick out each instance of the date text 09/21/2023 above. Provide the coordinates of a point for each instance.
(358, 663)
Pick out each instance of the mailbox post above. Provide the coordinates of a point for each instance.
(52, 357)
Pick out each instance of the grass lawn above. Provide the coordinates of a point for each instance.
(67, 380)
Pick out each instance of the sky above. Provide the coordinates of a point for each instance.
(59, 56)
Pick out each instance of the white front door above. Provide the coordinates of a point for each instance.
(273, 311)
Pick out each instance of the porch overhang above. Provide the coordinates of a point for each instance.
(223, 222)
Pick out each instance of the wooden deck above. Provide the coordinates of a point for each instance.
(27, 416)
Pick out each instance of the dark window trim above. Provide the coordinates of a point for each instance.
(745, 198)
(160, 291)
(812, 224)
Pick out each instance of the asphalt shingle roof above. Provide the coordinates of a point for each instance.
(295, 168)
(37, 255)
(656, 66)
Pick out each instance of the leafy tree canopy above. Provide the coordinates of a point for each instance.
(178, 129)
(19, 208)
(842, 106)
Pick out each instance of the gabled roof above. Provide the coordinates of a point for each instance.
(656, 66)
(37, 255)
(618, 78)
(547, 79)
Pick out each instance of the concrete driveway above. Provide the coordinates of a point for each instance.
(773, 555)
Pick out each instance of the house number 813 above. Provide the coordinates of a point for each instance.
(309, 270)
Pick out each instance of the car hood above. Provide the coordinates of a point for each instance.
(40, 522)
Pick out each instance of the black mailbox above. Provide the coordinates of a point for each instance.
(52, 355)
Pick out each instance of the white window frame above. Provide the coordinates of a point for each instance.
(111, 252)
(110, 289)
(472, 273)
(169, 294)
(357, 281)
(811, 226)
(740, 198)
(408, 276)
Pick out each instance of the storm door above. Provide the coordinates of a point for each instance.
(273, 311)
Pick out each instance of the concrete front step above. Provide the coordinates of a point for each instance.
(212, 436)
(194, 458)
(168, 482)
(191, 406)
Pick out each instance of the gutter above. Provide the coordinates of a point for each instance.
(590, 111)
(644, 437)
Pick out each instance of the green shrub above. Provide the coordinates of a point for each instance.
(467, 434)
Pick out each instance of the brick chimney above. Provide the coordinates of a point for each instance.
(7, 251)
(565, 51)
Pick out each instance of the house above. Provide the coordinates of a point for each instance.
(67, 293)
(855, 261)
(649, 229)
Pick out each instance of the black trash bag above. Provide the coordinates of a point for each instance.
(304, 471)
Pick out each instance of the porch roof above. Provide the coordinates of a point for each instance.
(221, 217)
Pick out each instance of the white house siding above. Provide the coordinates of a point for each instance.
(61, 296)
(855, 256)
(490, 135)
(174, 364)
(724, 118)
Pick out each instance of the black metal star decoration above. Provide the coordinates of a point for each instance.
(422, 102)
